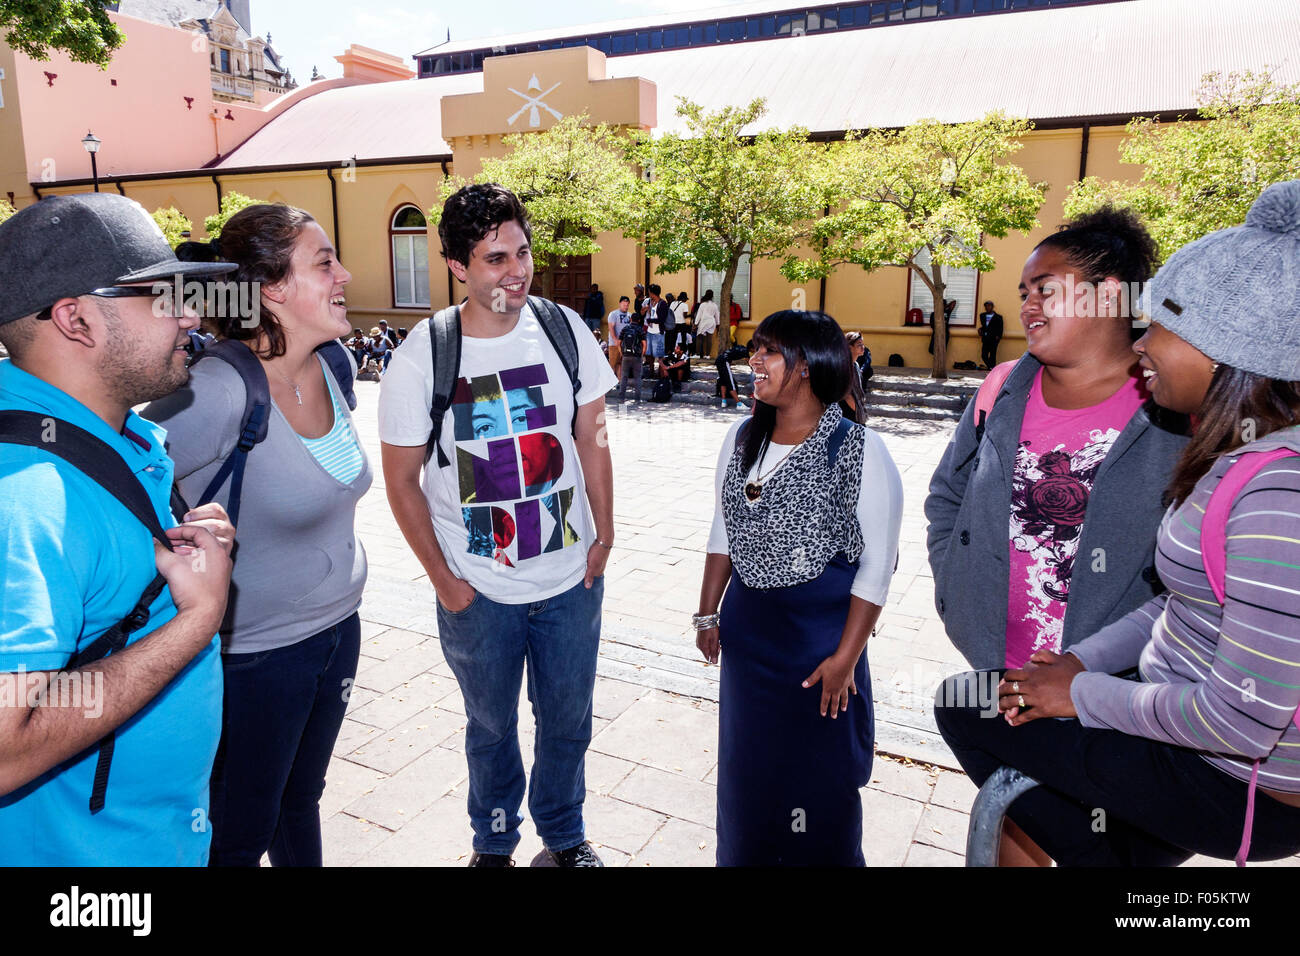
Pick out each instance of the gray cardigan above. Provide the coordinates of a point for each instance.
(969, 509)
(299, 566)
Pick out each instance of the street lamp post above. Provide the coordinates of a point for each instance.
(92, 147)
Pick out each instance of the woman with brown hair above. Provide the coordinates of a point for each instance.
(291, 637)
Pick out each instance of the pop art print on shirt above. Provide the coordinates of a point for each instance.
(508, 466)
(1049, 497)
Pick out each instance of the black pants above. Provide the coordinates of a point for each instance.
(1109, 798)
(282, 712)
(989, 352)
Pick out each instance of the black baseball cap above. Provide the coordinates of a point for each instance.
(68, 245)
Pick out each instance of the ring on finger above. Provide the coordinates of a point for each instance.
(1015, 686)
(1020, 698)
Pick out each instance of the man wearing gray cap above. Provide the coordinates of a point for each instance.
(110, 677)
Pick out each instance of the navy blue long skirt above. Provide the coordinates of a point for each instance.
(788, 778)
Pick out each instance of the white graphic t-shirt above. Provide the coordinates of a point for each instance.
(510, 512)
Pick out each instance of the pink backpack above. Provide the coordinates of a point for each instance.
(1214, 555)
(988, 393)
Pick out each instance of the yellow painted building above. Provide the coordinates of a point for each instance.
(367, 158)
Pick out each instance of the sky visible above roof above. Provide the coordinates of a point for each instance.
(313, 32)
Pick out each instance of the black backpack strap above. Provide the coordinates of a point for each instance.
(553, 320)
(253, 426)
(99, 462)
(836, 439)
(444, 340)
(88, 454)
(340, 363)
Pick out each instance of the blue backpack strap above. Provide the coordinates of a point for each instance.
(102, 464)
(560, 333)
(339, 361)
(253, 426)
(444, 340)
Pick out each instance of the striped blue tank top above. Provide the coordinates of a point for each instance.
(338, 450)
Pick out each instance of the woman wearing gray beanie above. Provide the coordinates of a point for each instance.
(1209, 735)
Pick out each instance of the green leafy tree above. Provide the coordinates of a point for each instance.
(714, 193)
(6, 209)
(79, 28)
(1199, 176)
(231, 203)
(173, 223)
(572, 179)
(929, 191)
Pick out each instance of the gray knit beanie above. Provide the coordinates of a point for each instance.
(1235, 294)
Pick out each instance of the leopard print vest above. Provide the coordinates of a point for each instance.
(808, 511)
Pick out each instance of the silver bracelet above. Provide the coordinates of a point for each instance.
(704, 622)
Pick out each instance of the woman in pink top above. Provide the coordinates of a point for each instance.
(1043, 512)
(1153, 770)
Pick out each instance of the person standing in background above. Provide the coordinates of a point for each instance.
(990, 332)
(618, 320)
(706, 323)
(593, 310)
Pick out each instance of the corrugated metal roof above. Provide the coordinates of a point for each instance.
(1105, 60)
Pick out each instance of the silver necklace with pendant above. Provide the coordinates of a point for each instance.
(296, 392)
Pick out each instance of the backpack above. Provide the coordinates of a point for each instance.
(895, 360)
(667, 317)
(663, 391)
(987, 395)
(99, 462)
(257, 410)
(1214, 556)
(631, 338)
(444, 341)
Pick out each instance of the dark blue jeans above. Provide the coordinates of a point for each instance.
(282, 712)
(487, 646)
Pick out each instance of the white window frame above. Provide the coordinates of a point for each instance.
(740, 288)
(960, 284)
(413, 237)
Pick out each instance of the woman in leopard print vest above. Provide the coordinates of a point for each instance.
(804, 542)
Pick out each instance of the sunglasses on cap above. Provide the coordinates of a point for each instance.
(136, 291)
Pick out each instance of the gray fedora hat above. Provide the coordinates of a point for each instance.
(68, 245)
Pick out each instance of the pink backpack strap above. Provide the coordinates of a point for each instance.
(1214, 555)
(989, 389)
(1214, 527)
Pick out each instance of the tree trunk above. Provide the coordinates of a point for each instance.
(723, 338)
(939, 365)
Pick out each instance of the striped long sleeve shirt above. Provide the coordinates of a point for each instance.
(1222, 680)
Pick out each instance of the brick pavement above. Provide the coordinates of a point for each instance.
(395, 791)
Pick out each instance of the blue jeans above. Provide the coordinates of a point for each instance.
(281, 715)
(487, 646)
(655, 344)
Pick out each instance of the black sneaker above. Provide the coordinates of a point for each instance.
(580, 855)
(490, 859)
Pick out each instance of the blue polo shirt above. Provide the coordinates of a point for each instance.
(75, 561)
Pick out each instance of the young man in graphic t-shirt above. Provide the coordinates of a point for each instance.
(515, 531)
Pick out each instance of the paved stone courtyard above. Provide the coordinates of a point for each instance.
(395, 793)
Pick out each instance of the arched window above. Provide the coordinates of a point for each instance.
(410, 241)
